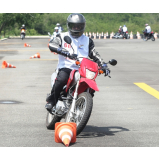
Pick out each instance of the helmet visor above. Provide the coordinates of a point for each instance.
(76, 27)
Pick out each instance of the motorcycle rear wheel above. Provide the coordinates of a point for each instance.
(51, 120)
(153, 39)
(83, 109)
(22, 36)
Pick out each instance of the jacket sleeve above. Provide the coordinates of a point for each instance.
(56, 43)
(145, 29)
(93, 54)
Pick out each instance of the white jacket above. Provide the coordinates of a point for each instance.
(148, 29)
(124, 29)
(54, 34)
(59, 29)
(80, 46)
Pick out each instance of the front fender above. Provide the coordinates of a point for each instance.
(85, 83)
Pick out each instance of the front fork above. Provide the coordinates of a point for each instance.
(72, 110)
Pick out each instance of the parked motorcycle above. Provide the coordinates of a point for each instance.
(76, 99)
(149, 36)
(23, 33)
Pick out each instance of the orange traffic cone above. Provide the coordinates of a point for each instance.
(27, 45)
(65, 132)
(35, 56)
(111, 35)
(155, 35)
(131, 35)
(138, 35)
(7, 65)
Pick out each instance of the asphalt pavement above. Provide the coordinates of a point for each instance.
(123, 115)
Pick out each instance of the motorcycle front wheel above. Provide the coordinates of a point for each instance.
(51, 120)
(83, 109)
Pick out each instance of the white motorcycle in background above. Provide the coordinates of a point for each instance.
(51, 36)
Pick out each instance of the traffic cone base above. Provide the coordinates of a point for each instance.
(7, 65)
(65, 132)
(36, 56)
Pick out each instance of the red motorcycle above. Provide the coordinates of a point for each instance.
(147, 36)
(126, 35)
(76, 99)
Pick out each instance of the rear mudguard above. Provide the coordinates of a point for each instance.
(86, 83)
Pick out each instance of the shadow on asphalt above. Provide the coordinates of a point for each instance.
(94, 131)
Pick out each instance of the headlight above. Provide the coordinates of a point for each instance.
(90, 74)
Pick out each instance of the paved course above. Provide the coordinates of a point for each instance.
(125, 112)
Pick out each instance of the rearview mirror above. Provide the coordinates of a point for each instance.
(67, 39)
(113, 62)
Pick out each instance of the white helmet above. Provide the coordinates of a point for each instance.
(146, 25)
(57, 24)
(120, 26)
(56, 29)
(23, 25)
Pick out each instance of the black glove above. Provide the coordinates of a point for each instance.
(72, 56)
(106, 70)
(63, 53)
(67, 54)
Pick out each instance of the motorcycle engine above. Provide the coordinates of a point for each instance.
(60, 108)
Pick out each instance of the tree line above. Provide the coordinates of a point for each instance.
(42, 23)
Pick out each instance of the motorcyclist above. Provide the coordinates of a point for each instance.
(60, 29)
(147, 30)
(120, 30)
(124, 29)
(55, 32)
(23, 27)
(83, 47)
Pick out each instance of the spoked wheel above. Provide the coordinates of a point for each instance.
(51, 120)
(83, 109)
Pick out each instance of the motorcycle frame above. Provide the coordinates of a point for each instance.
(83, 83)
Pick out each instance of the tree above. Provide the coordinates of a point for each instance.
(9, 19)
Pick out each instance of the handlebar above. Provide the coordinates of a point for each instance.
(103, 69)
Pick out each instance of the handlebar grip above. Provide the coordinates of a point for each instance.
(63, 53)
